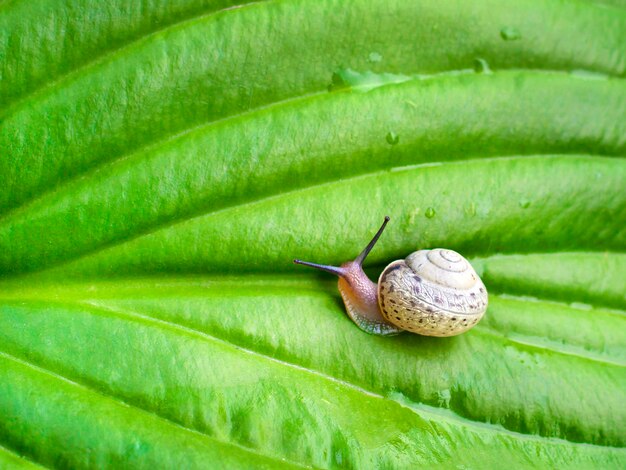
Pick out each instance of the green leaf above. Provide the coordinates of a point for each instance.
(162, 166)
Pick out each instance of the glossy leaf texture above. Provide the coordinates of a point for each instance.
(162, 164)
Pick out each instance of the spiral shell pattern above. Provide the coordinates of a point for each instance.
(433, 293)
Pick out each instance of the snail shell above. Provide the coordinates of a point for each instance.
(432, 292)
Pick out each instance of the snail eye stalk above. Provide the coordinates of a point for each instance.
(323, 267)
(359, 259)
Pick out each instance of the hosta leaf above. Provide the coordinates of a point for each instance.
(163, 165)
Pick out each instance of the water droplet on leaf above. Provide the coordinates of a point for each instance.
(337, 82)
(444, 397)
(509, 33)
(588, 74)
(471, 209)
(392, 138)
(581, 306)
(364, 81)
(481, 66)
(375, 57)
(430, 212)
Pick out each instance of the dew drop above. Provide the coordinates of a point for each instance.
(413, 215)
(392, 138)
(375, 57)
(524, 203)
(471, 209)
(589, 75)
(363, 81)
(508, 33)
(444, 397)
(481, 66)
(430, 212)
(581, 306)
(337, 82)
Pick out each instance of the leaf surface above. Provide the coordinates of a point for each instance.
(163, 166)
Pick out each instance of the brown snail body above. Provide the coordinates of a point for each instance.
(431, 292)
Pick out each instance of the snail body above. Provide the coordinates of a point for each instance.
(431, 292)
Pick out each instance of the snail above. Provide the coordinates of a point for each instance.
(431, 292)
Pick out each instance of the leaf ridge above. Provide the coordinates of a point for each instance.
(138, 40)
(166, 224)
(208, 337)
(487, 330)
(74, 73)
(277, 106)
(119, 401)
(151, 146)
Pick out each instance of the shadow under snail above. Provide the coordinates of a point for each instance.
(431, 292)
